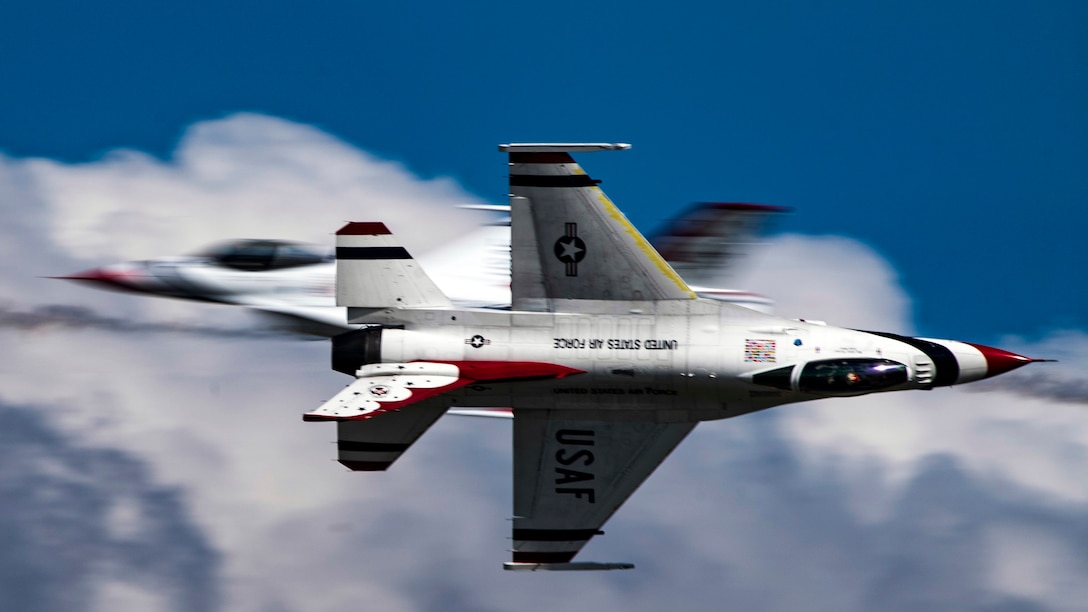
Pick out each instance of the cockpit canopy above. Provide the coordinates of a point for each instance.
(851, 375)
(263, 255)
(837, 376)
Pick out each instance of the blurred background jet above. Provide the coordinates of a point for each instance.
(294, 282)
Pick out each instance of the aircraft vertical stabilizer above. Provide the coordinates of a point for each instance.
(585, 248)
(374, 271)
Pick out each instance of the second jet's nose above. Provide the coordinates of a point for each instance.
(132, 276)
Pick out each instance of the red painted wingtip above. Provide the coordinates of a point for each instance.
(364, 229)
(999, 361)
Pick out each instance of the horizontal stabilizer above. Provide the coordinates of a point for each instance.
(382, 387)
(375, 444)
(565, 567)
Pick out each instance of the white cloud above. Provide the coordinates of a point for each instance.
(852, 504)
(828, 278)
(1032, 563)
(242, 176)
(1018, 434)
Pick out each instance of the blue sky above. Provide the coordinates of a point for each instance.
(936, 158)
(951, 139)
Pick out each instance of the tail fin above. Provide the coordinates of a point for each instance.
(706, 242)
(570, 240)
(374, 271)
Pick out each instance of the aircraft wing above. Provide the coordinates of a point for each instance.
(572, 470)
(705, 243)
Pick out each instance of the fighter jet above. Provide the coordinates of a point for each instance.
(607, 358)
(293, 283)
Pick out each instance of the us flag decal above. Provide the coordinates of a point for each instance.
(759, 351)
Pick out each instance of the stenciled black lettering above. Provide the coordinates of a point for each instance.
(652, 391)
(661, 345)
(563, 459)
(590, 494)
(569, 457)
(571, 476)
(582, 437)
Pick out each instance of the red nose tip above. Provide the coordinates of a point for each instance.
(94, 275)
(999, 361)
(106, 278)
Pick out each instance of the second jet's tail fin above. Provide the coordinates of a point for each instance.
(374, 271)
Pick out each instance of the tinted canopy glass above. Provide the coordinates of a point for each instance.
(851, 375)
(262, 255)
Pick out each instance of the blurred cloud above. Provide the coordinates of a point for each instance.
(192, 445)
(85, 526)
(1041, 385)
(53, 316)
(1060, 382)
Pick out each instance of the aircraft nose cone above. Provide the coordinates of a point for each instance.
(119, 277)
(999, 361)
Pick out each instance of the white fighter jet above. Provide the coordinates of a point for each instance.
(294, 282)
(607, 359)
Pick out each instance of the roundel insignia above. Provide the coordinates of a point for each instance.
(379, 390)
(570, 249)
(477, 341)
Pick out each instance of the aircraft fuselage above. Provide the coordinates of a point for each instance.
(709, 359)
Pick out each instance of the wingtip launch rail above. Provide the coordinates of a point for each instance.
(571, 147)
(565, 567)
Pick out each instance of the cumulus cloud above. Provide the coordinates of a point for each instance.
(904, 501)
(244, 175)
(85, 526)
(828, 278)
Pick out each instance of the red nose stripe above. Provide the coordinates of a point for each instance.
(104, 277)
(999, 361)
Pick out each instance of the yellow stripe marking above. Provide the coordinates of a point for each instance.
(642, 243)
